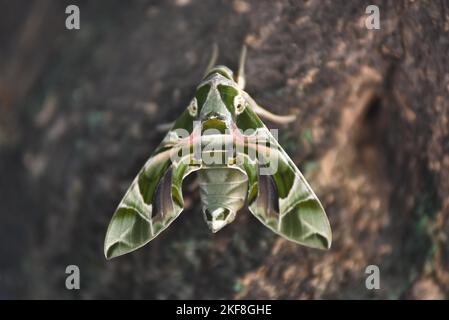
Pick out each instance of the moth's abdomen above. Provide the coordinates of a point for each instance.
(223, 192)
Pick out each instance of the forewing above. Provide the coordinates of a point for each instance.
(285, 202)
(153, 200)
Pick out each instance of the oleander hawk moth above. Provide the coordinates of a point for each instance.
(221, 139)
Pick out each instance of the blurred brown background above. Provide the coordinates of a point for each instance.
(77, 116)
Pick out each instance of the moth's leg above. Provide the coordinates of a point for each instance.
(263, 113)
(213, 58)
(267, 115)
(164, 127)
(240, 79)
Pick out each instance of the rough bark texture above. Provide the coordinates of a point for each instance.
(79, 108)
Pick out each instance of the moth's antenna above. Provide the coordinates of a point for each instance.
(213, 58)
(241, 71)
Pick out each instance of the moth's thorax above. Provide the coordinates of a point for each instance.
(222, 188)
(214, 95)
(223, 192)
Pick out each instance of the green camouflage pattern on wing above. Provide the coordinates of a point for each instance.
(153, 200)
(285, 203)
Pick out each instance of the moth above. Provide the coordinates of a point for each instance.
(221, 138)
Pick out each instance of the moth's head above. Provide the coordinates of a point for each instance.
(217, 99)
(217, 218)
(224, 71)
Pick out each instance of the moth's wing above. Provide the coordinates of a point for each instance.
(284, 201)
(154, 199)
